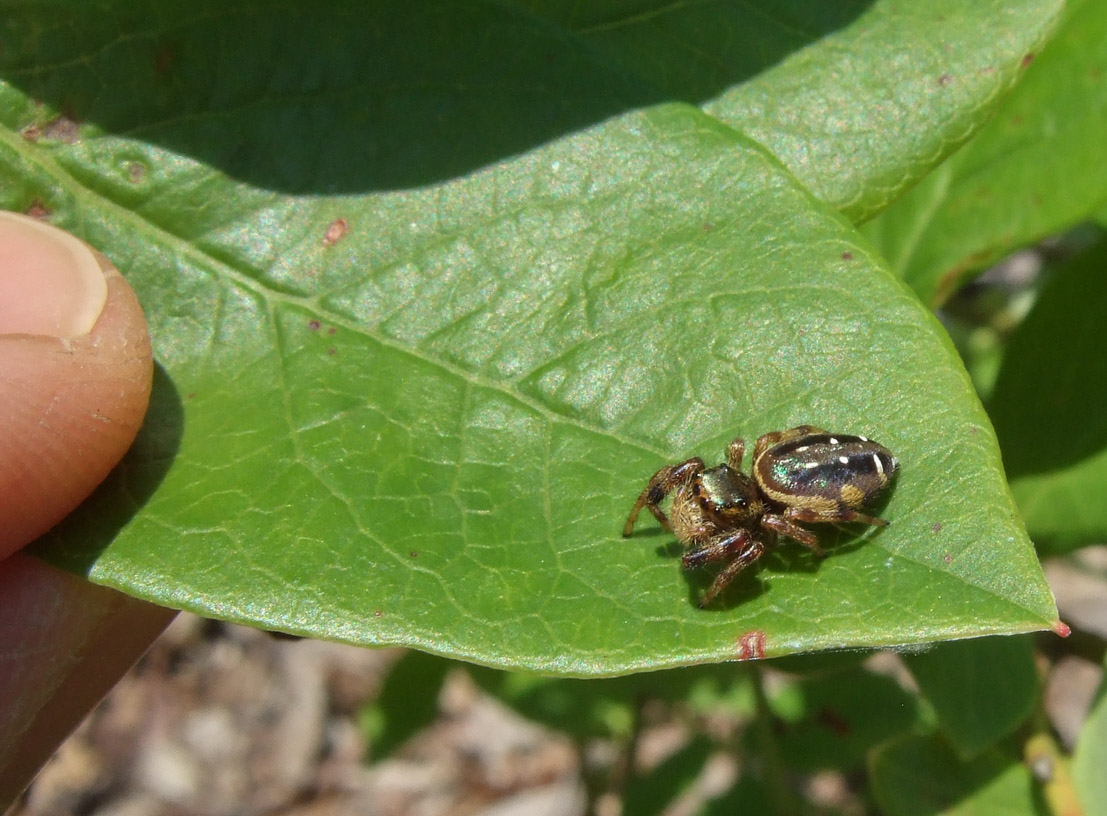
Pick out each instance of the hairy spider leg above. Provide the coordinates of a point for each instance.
(661, 484)
(739, 549)
(735, 452)
(809, 515)
(783, 525)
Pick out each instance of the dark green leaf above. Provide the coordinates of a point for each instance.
(583, 708)
(921, 776)
(841, 716)
(607, 708)
(407, 703)
(649, 793)
(1035, 170)
(424, 339)
(1047, 414)
(750, 795)
(981, 688)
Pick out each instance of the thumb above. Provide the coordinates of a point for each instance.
(75, 375)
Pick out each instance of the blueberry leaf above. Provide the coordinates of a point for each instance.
(1034, 170)
(1057, 477)
(860, 100)
(917, 775)
(425, 329)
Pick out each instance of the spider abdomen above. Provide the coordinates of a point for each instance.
(824, 471)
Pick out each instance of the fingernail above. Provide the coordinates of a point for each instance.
(50, 282)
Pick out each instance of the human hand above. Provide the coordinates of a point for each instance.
(75, 374)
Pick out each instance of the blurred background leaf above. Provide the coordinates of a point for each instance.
(1046, 409)
(1035, 170)
(922, 776)
(960, 679)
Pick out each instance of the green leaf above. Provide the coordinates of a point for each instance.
(921, 776)
(416, 370)
(859, 99)
(1048, 418)
(607, 708)
(407, 703)
(749, 795)
(960, 681)
(1090, 756)
(650, 792)
(584, 709)
(840, 716)
(1035, 170)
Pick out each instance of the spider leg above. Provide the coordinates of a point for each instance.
(709, 549)
(660, 485)
(657, 514)
(783, 525)
(735, 452)
(763, 443)
(739, 549)
(843, 515)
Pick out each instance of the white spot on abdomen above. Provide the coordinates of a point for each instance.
(879, 464)
(844, 460)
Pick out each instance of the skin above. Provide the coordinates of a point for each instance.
(75, 374)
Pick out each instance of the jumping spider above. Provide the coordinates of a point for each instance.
(804, 474)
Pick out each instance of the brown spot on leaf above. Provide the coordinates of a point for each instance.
(847, 256)
(36, 209)
(336, 231)
(751, 645)
(1026, 60)
(63, 128)
(945, 79)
